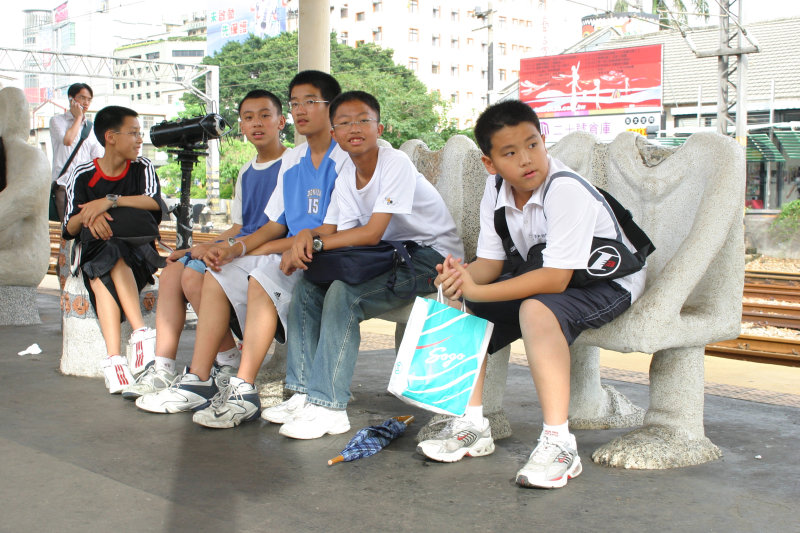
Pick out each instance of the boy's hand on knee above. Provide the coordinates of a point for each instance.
(215, 257)
(174, 256)
(200, 250)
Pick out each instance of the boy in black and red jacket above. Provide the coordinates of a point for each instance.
(114, 208)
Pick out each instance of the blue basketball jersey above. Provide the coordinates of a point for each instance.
(257, 187)
(307, 192)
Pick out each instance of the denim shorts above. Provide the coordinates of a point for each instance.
(576, 309)
(195, 264)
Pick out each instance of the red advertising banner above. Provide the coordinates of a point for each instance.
(626, 80)
(61, 13)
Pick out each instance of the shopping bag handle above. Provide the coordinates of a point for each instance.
(441, 299)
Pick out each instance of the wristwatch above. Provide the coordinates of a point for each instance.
(231, 241)
(113, 199)
(317, 244)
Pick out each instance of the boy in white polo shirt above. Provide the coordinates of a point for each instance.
(537, 305)
(378, 195)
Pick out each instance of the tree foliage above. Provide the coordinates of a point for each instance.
(408, 110)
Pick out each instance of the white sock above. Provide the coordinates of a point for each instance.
(165, 363)
(559, 432)
(230, 357)
(235, 382)
(474, 414)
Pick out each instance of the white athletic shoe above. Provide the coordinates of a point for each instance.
(551, 464)
(149, 381)
(116, 373)
(465, 438)
(232, 405)
(186, 393)
(314, 421)
(141, 349)
(284, 412)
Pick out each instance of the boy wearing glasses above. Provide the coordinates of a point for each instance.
(379, 195)
(110, 191)
(246, 276)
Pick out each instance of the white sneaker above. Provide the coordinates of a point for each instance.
(285, 411)
(232, 405)
(465, 438)
(551, 464)
(314, 421)
(186, 393)
(149, 381)
(141, 349)
(116, 373)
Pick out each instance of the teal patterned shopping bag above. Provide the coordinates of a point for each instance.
(440, 357)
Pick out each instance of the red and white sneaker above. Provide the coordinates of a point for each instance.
(116, 373)
(141, 349)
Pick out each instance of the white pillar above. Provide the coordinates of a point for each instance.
(314, 41)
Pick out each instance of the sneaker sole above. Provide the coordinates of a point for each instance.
(172, 408)
(288, 417)
(334, 431)
(479, 450)
(573, 472)
(226, 424)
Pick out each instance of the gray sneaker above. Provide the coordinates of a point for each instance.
(232, 405)
(551, 464)
(151, 380)
(465, 438)
(186, 393)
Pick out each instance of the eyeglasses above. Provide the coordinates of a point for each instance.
(363, 123)
(134, 134)
(305, 104)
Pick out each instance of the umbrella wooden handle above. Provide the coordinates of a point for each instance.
(405, 419)
(337, 459)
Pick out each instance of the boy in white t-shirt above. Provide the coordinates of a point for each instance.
(378, 195)
(537, 305)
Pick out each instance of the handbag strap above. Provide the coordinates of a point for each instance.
(87, 127)
(401, 250)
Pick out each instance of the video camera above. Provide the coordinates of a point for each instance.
(189, 133)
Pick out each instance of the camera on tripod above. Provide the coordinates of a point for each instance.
(189, 133)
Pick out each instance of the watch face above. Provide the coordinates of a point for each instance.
(231, 241)
(317, 245)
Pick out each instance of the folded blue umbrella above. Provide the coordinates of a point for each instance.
(372, 439)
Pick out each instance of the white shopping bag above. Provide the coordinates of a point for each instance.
(440, 357)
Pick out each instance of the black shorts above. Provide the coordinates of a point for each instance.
(576, 309)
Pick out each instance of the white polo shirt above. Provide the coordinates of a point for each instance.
(567, 221)
(418, 211)
(89, 150)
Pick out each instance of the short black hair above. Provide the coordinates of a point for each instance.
(328, 87)
(499, 115)
(75, 88)
(355, 96)
(261, 93)
(110, 118)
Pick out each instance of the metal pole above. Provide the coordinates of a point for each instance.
(212, 161)
(490, 58)
(722, 70)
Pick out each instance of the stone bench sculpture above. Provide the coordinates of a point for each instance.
(24, 248)
(689, 201)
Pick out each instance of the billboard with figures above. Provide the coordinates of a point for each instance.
(235, 20)
(625, 80)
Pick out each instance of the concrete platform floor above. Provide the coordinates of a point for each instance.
(73, 458)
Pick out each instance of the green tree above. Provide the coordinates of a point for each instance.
(408, 110)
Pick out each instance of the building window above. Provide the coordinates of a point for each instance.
(434, 68)
(359, 43)
(454, 42)
(413, 6)
(483, 74)
(343, 12)
(377, 34)
(454, 97)
(147, 95)
(470, 68)
(501, 21)
(158, 94)
(454, 16)
(437, 12)
(469, 96)
(484, 47)
(454, 70)
(502, 48)
(169, 98)
(153, 55)
(188, 53)
(435, 40)
(413, 34)
(360, 16)
(502, 73)
(470, 41)
(139, 96)
(343, 38)
(413, 64)
(376, 6)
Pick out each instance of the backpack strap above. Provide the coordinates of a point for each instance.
(513, 256)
